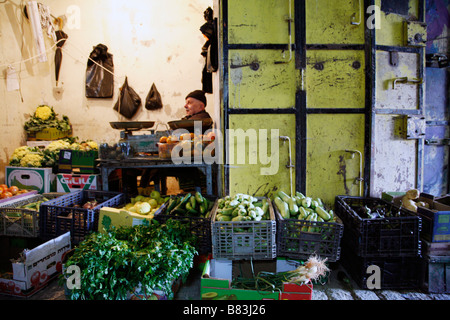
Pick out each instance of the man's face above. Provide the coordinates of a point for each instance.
(193, 106)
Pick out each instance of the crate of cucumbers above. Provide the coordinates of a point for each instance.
(306, 227)
(194, 211)
(243, 227)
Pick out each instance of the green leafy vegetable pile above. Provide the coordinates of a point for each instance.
(150, 256)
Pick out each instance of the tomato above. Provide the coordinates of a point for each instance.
(13, 189)
(6, 194)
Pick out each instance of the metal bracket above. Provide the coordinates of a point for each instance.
(406, 80)
(393, 58)
(253, 65)
(411, 127)
(437, 142)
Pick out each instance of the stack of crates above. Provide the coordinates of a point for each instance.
(436, 240)
(388, 246)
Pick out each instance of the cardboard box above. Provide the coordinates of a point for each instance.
(435, 218)
(118, 217)
(214, 288)
(76, 182)
(38, 267)
(77, 161)
(41, 179)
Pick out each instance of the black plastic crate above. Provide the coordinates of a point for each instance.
(395, 236)
(65, 213)
(244, 240)
(22, 222)
(395, 272)
(200, 227)
(294, 243)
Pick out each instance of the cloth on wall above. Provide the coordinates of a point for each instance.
(40, 20)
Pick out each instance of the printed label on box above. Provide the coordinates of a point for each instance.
(71, 182)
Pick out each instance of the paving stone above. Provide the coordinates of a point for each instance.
(339, 294)
(391, 295)
(319, 295)
(439, 296)
(366, 295)
(416, 296)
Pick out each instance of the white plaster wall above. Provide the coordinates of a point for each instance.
(151, 41)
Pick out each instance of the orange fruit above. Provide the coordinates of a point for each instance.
(163, 139)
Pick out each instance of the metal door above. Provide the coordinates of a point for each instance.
(259, 96)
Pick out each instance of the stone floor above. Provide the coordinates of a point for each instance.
(334, 289)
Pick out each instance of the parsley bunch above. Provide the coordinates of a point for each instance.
(150, 256)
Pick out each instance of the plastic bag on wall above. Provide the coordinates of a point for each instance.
(128, 102)
(100, 82)
(153, 100)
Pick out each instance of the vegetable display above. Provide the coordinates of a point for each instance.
(303, 208)
(25, 156)
(45, 117)
(146, 205)
(242, 207)
(313, 269)
(114, 264)
(193, 205)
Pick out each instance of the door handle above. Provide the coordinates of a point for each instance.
(253, 65)
(406, 80)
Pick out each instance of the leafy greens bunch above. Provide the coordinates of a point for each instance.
(115, 263)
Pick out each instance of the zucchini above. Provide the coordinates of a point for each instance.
(198, 197)
(282, 207)
(193, 202)
(172, 204)
(321, 212)
(283, 196)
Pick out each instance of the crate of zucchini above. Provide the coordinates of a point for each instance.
(194, 211)
(305, 227)
(243, 227)
(376, 228)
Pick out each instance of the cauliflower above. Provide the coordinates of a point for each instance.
(58, 145)
(44, 112)
(21, 152)
(92, 144)
(32, 160)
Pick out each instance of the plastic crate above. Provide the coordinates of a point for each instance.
(237, 240)
(397, 236)
(62, 214)
(294, 243)
(200, 227)
(21, 222)
(395, 272)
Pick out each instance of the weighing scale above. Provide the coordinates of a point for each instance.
(141, 143)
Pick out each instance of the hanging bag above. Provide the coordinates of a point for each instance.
(99, 74)
(153, 100)
(128, 102)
